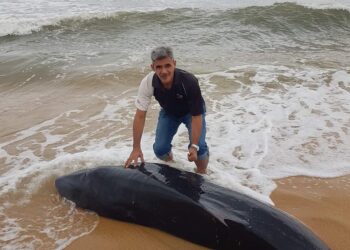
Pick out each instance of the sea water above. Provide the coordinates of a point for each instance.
(275, 76)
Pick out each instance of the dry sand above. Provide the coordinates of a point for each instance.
(322, 204)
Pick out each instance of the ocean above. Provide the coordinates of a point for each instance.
(275, 76)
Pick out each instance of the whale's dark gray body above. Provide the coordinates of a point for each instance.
(186, 205)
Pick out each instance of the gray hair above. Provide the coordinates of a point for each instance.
(161, 53)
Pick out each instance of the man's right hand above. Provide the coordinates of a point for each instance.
(134, 157)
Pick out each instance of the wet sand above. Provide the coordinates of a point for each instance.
(112, 234)
(322, 204)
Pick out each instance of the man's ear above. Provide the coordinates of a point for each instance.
(152, 66)
(175, 63)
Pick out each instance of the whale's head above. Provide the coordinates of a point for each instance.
(73, 186)
(103, 184)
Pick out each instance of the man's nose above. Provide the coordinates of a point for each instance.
(162, 70)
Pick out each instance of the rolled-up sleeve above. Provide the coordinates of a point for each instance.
(145, 93)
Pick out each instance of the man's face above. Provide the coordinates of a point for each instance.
(164, 69)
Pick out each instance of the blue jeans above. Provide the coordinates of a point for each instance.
(166, 129)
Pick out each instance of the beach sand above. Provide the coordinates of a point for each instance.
(322, 204)
(112, 234)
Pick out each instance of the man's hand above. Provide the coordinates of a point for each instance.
(192, 154)
(134, 157)
(137, 129)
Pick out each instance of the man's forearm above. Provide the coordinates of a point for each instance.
(138, 126)
(196, 128)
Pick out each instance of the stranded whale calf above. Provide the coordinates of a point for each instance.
(186, 205)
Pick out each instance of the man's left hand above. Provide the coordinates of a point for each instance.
(192, 154)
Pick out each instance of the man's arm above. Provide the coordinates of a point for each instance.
(138, 126)
(195, 135)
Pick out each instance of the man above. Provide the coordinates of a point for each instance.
(181, 101)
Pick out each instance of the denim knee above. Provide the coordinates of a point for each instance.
(161, 151)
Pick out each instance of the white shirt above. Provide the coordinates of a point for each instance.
(145, 92)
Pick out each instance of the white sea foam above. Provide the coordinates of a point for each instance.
(299, 127)
(24, 17)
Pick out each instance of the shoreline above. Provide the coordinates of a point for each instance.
(321, 204)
